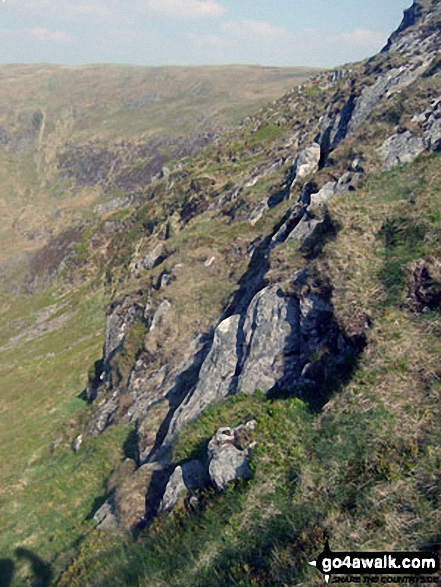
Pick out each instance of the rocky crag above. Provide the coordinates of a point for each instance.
(276, 328)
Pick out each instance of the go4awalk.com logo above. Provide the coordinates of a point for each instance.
(405, 568)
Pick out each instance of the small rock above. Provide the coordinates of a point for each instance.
(166, 280)
(258, 212)
(326, 193)
(163, 308)
(419, 117)
(344, 183)
(357, 164)
(152, 259)
(105, 517)
(77, 443)
(209, 262)
(228, 460)
(184, 479)
(307, 161)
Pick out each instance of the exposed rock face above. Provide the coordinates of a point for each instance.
(402, 148)
(281, 338)
(215, 376)
(405, 147)
(430, 121)
(121, 317)
(266, 347)
(417, 47)
(228, 452)
(184, 479)
(308, 223)
(265, 339)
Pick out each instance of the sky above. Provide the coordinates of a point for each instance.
(322, 33)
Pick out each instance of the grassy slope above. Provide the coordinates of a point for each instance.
(105, 104)
(45, 491)
(48, 341)
(365, 472)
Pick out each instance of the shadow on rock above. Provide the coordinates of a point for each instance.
(130, 446)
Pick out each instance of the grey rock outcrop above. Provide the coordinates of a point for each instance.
(121, 317)
(430, 122)
(311, 220)
(327, 192)
(401, 148)
(264, 348)
(184, 479)
(265, 339)
(281, 338)
(215, 376)
(227, 460)
(417, 48)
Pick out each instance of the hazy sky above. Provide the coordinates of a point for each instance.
(183, 32)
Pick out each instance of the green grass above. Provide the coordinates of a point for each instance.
(364, 472)
(46, 491)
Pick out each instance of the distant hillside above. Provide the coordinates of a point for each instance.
(74, 136)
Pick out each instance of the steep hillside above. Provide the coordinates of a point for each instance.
(284, 282)
(75, 141)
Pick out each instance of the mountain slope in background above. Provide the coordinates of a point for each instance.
(73, 138)
(288, 274)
